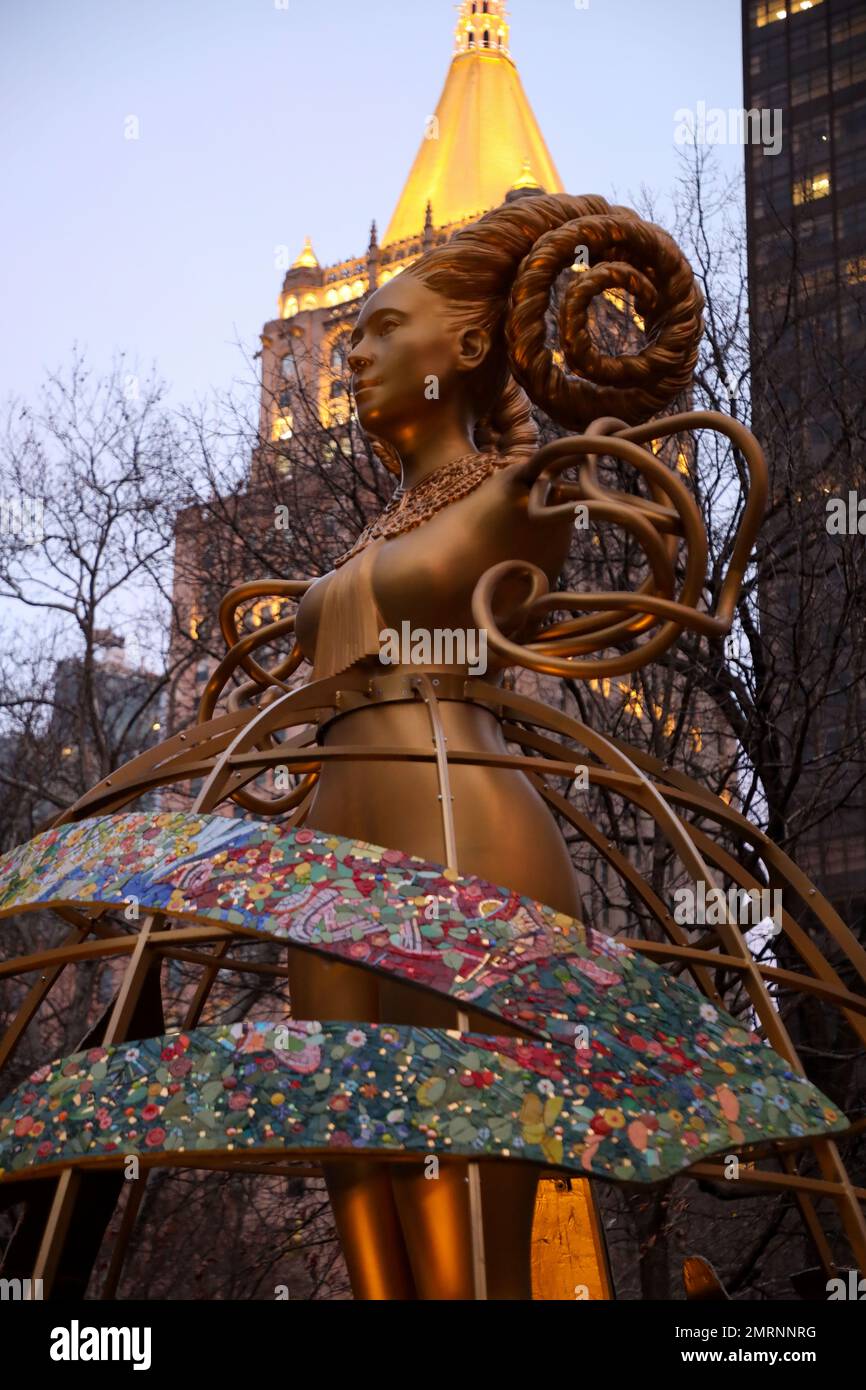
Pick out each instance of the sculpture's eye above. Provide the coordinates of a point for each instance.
(387, 326)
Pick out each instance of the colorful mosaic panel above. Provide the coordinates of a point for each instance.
(311, 1087)
(621, 1025)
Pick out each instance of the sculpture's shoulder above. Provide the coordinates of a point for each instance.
(512, 501)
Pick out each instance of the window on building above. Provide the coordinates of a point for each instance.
(849, 25)
(282, 428)
(810, 189)
(808, 86)
(851, 223)
(773, 97)
(850, 69)
(854, 324)
(851, 169)
(855, 270)
(849, 125)
(772, 248)
(815, 230)
(810, 139)
(806, 39)
(765, 12)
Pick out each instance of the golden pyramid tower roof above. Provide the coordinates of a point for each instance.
(483, 137)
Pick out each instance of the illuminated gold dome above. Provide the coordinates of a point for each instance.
(307, 259)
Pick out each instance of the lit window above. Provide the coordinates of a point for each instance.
(810, 189)
(634, 701)
(772, 11)
(682, 462)
(309, 301)
(331, 298)
(290, 308)
(345, 293)
(339, 348)
(265, 610)
(855, 270)
(282, 427)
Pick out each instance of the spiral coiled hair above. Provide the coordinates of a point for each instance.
(498, 274)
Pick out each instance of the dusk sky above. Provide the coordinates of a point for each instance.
(260, 125)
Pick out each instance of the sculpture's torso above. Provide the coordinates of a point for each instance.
(426, 577)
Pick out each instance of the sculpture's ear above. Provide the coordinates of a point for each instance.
(473, 347)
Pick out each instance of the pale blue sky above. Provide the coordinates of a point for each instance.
(260, 125)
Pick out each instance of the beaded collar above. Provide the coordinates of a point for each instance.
(409, 507)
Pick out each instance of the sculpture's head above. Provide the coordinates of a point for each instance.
(416, 359)
(463, 332)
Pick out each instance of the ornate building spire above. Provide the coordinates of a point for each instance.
(483, 131)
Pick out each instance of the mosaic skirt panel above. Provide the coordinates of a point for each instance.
(308, 1087)
(616, 1020)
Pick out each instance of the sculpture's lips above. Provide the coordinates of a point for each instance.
(366, 385)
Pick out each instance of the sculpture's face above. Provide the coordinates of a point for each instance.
(409, 360)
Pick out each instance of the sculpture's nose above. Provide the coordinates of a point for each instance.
(357, 360)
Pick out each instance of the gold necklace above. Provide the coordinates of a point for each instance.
(410, 507)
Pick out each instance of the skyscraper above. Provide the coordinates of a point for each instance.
(806, 221)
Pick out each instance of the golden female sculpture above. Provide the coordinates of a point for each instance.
(446, 361)
(430, 364)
